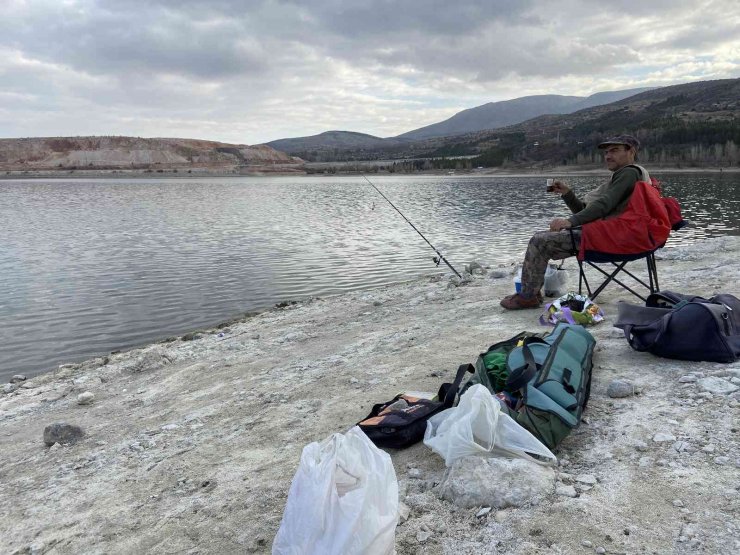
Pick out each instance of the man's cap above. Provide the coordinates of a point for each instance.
(627, 140)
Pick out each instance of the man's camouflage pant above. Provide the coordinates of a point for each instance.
(543, 247)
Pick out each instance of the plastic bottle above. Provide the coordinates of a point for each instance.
(518, 280)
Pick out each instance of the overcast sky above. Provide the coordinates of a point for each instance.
(253, 71)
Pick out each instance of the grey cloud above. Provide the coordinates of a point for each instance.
(263, 67)
(152, 40)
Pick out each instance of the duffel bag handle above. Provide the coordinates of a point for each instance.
(520, 377)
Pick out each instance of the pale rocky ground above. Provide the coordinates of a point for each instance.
(190, 446)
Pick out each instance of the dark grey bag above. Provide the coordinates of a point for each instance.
(684, 327)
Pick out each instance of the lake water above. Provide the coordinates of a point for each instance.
(91, 266)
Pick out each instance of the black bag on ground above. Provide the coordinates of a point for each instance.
(402, 421)
(684, 327)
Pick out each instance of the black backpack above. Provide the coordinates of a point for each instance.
(684, 327)
(405, 423)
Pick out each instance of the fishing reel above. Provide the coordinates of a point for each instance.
(436, 260)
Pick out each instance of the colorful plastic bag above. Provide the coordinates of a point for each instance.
(572, 309)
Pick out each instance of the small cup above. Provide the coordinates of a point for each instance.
(550, 186)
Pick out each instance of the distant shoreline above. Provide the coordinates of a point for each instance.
(487, 172)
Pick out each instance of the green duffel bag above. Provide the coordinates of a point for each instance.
(552, 377)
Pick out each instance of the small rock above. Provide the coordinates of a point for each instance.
(500, 516)
(18, 378)
(61, 432)
(687, 379)
(663, 436)
(85, 398)
(566, 491)
(641, 445)
(414, 473)
(645, 461)
(708, 448)
(55, 447)
(403, 512)
(618, 389)
(586, 479)
(721, 460)
(717, 386)
(483, 512)
(9, 388)
(586, 543)
(600, 550)
(681, 446)
(423, 535)
(677, 503)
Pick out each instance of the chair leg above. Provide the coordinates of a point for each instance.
(582, 279)
(653, 273)
(609, 277)
(612, 277)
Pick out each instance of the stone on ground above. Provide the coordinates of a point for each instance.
(496, 482)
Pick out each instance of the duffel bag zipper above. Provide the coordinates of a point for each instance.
(726, 320)
(723, 338)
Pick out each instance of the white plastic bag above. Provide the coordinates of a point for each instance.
(478, 427)
(343, 500)
(555, 280)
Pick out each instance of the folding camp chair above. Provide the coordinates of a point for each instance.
(618, 265)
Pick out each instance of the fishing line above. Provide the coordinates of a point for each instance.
(437, 259)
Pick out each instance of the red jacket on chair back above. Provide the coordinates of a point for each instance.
(643, 227)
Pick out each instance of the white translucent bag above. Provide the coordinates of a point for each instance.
(476, 426)
(343, 500)
(555, 281)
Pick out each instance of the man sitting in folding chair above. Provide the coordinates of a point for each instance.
(594, 218)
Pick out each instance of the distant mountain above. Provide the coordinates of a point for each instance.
(342, 145)
(325, 146)
(328, 140)
(509, 112)
(78, 153)
(693, 124)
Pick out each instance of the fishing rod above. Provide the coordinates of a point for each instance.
(437, 259)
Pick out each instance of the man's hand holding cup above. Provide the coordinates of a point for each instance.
(556, 186)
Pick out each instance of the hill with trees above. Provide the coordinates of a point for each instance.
(494, 115)
(687, 125)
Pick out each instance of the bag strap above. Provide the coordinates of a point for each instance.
(447, 394)
(520, 377)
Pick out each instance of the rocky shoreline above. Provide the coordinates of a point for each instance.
(190, 446)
